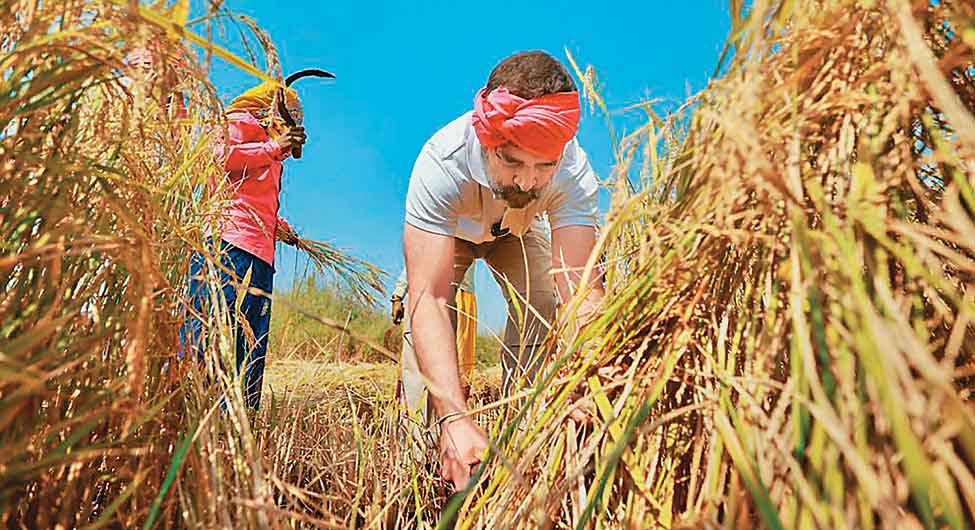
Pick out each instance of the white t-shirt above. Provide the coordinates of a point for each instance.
(450, 194)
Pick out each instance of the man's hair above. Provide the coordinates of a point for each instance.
(530, 75)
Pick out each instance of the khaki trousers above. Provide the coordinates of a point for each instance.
(520, 265)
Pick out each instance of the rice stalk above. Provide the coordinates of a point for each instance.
(787, 339)
(788, 280)
(361, 277)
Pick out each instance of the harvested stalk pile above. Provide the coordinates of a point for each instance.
(107, 123)
(787, 340)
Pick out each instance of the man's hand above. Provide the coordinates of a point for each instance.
(582, 409)
(397, 311)
(462, 445)
(571, 248)
(291, 138)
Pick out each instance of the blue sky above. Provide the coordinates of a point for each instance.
(406, 68)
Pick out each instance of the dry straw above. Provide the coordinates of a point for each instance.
(363, 279)
(104, 192)
(787, 340)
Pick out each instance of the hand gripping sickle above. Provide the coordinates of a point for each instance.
(283, 107)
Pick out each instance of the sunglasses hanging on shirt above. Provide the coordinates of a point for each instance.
(497, 231)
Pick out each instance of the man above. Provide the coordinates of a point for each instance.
(477, 190)
(412, 390)
(252, 154)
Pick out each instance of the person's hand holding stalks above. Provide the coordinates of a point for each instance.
(285, 233)
(582, 409)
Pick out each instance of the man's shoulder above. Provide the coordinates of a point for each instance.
(574, 164)
(574, 184)
(450, 140)
(439, 180)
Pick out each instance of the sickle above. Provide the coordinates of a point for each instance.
(283, 108)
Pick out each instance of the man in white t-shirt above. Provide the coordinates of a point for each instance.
(479, 189)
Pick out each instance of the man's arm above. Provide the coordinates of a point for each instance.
(571, 248)
(429, 270)
(573, 214)
(236, 153)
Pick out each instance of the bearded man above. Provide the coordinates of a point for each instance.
(481, 188)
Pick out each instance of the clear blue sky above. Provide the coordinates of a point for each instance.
(406, 68)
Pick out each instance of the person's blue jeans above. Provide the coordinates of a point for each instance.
(255, 309)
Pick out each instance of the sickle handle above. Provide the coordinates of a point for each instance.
(288, 119)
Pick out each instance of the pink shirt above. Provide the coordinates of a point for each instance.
(253, 164)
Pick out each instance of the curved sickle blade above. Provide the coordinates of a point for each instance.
(300, 74)
(283, 108)
(309, 72)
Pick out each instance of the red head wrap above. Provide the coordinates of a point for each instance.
(541, 126)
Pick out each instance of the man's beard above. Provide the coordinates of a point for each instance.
(514, 197)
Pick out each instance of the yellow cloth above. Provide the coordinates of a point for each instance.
(466, 332)
(261, 102)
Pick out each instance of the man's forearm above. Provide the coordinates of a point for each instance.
(436, 352)
(572, 247)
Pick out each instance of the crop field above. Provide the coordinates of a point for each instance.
(787, 338)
